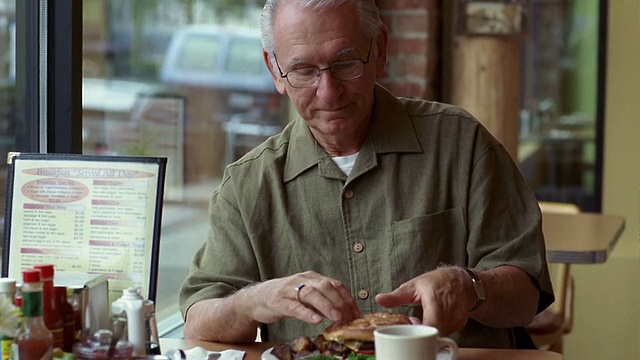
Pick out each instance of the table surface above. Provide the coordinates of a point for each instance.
(581, 238)
(254, 350)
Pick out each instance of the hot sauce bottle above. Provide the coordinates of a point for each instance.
(33, 339)
(68, 317)
(50, 310)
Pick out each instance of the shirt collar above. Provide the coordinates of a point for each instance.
(391, 128)
(391, 131)
(304, 152)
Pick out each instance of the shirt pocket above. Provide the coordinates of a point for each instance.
(422, 243)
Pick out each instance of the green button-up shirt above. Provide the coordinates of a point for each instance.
(430, 186)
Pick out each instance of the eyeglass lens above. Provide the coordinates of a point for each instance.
(342, 70)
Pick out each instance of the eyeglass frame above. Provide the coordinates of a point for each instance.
(319, 70)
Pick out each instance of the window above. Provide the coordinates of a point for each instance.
(7, 73)
(8, 98)
(133, 101)
(562, 101)
(166, 78)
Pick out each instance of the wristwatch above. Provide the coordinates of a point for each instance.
(477, 288)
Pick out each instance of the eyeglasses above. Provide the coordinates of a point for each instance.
(310, 76)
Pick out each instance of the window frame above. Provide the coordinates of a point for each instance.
(49, 76)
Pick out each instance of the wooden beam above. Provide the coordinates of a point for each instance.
(485, 80)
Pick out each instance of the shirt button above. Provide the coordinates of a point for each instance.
(348, 194)
(363, 294)
(358, 247)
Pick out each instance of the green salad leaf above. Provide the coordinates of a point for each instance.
(361, 357)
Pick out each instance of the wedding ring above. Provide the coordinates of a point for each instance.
(298, 288)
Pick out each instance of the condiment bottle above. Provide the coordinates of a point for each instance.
(140, 317)
(8, 292)
(33, 340)
(51, 314)
(8, 289)
(68, 317)
(18, 297)
(76, 303)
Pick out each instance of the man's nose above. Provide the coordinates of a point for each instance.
(328, 85)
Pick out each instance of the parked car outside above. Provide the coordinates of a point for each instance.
(225, 59)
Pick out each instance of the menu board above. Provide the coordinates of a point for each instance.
(87, 214)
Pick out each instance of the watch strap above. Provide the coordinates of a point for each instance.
(478, 289)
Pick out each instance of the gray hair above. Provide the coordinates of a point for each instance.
(368, 17)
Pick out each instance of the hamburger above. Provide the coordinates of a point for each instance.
(357, 334)
(340, 339)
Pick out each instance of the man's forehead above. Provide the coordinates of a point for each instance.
(302, 56)
(291, 18)
(299, 32)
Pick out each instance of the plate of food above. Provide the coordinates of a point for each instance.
(346, 341)
(267, 355)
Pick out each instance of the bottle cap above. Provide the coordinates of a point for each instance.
(7, 285)
(47, 270)
(31, 276)
(131, 293)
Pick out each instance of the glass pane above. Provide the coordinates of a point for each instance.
(178, 79)
(199, 53)
(557, 150)
(7, 93)
(245, 56)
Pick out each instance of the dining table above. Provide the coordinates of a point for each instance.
(258, 350)
(582, 238)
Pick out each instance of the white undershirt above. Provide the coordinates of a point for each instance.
(345, 163)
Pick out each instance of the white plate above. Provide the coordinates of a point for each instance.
(266, 355)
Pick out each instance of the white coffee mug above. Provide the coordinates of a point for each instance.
(411, 342)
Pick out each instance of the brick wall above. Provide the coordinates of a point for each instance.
(414, 50)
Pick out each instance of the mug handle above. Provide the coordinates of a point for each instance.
(450, 345)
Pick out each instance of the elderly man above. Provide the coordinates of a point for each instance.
(366, 202)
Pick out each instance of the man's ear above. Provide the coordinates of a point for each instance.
(381, 60)
(275, 74)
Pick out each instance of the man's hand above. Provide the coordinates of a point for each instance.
(236, 317)
(445, 295)
(307, 296)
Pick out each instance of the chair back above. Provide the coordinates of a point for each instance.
(549, 326)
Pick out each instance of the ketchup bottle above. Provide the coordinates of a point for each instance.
(33, 340)
(50, 311)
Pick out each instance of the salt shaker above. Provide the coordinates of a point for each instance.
(140, 317)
